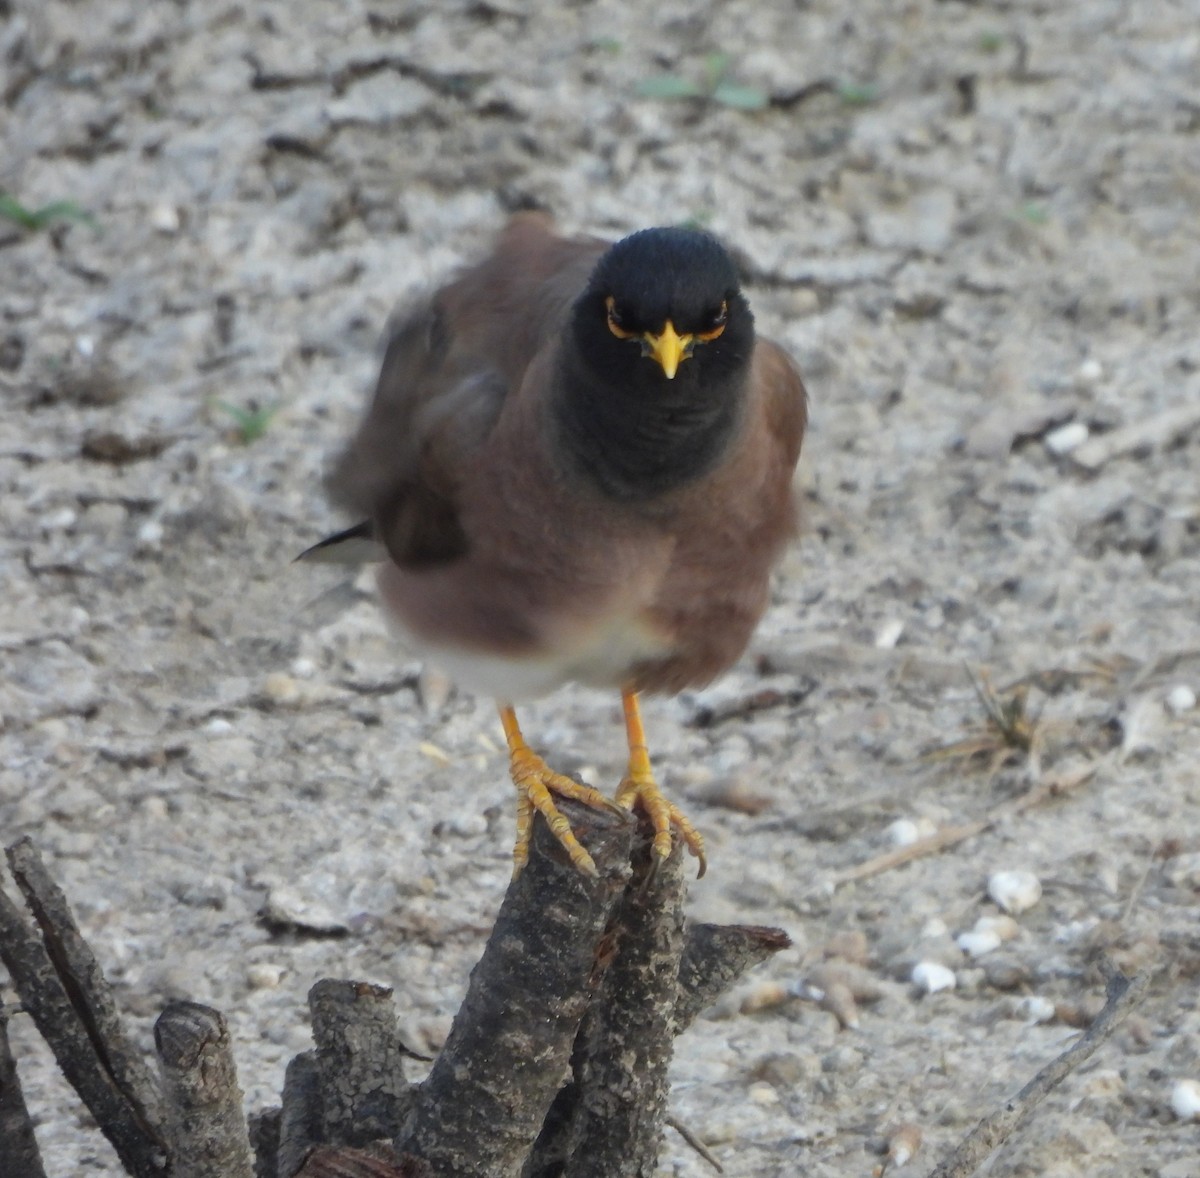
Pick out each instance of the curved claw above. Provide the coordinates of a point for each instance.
(641, 789)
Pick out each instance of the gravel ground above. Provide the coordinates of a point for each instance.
(975, 225)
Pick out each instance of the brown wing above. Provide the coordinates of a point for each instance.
(448, 366)
(785, 401)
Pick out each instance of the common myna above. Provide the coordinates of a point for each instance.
(577, 466)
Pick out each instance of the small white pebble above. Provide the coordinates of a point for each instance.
(164, 217)
(903, 832)
(1185, 1100)
(428, 749)
(763, 1093)
(280, 687)
(303, 668)
(978, 942)
(85, 346)
(1181, 698)
(264, 975)
(1066, 438)
(60, 520)
(933, 928)
(1089, 372)
(150, 534)
(155, 807)
(1003, 926)
(903, 1144)
(218, 726)
(1036, 1009)
(932, 976)
(1014, 891)
(888, 634)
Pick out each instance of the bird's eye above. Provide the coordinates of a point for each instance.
(614, 320)
(716, 325)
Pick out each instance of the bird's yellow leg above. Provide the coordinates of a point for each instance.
(639, 786)
(536, 784)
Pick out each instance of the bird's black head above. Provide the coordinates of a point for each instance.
(662, 338)
(665, 305)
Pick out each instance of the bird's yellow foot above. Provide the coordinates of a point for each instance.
(640, 788)
(537, 784)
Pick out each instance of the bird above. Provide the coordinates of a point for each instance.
(577, 466)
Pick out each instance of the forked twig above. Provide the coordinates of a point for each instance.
(1052, 787)
(994, 1130)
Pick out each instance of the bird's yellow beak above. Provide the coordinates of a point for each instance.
(668, 348)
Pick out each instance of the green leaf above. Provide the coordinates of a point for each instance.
(607, 44)
(716, 66)
(64, 210)
(856, 94)
(251, 423)
(13, 210)
(1033, 212)
(990, 42)
(669, 86)
(741, 97)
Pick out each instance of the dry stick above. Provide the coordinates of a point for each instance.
(1053, 787)
(264, 1140)
(18, 1146)
(88, 988)
(695, 1142)
(361, 1059)
(628, 1033)
(714, 957)
(302, 1120)
(209, 1138)
(45, 997)
(327, 1162)
(994, 1130)
(507, 1053)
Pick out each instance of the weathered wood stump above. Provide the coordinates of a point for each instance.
(556, 1064)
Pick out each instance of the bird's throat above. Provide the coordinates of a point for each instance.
(638, 446)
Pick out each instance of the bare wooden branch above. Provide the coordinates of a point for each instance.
(994, 1130)
(629, 1029)
(1145, 433)
(507, 1054)
(264, 1141)
(361, 1060)
(18, 1145)
(44, 995)
(302, 1120)
(88, 988)
(329, 1162)
(209, 1138)
(714, 957)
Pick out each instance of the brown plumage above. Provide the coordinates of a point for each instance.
(579, 461)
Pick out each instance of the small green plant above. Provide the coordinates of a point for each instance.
(1033, 213)
(857, 93)
(13, 210)
(991, 41)
(251, 423)
(698, 220)
(715, 87)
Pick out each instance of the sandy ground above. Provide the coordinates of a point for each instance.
(974, 224)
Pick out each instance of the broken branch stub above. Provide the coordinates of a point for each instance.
(508, 1051)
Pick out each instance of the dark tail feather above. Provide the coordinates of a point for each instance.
(356, 545)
